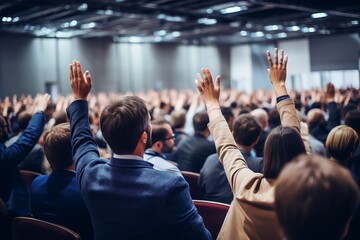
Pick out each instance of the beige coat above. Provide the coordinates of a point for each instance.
(251, 214)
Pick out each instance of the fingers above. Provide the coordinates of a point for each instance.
(281, 57)
(285, 61)
(217, 83)
(268, 55)
(276, 56)
(87, 77)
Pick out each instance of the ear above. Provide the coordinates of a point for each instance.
(144, 137)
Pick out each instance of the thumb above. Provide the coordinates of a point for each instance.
(217, 83)
(87, 77)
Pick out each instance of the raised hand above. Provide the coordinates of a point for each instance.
(330, 92)
(80, 83)
(209, 93)
(277, 71)
(41, 102)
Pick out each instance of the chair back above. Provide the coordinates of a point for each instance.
(192, 179)
(25, 228)
(29, 176)
(213, 214)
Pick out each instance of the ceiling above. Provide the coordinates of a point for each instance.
(181, 21)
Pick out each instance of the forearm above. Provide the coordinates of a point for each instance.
(288, 114)
(82, 140)
(18, 151)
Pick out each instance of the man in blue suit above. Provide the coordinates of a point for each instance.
(56, 197)
(13, 190)
(126, 197)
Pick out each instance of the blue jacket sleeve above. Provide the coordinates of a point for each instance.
(21, 148)
(84, 147)
(334, 116)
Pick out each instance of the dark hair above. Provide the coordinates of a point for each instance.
(246, 130)
(122, 123)
(178, 118)
(57, 146)
(159, 132)
(60, 117)
(308, 194)
(274, 118)
(227, 113)
(23, 120)
(352, 119)
(281, 146)
(200, 121)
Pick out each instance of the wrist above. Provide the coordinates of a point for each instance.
(212, 104)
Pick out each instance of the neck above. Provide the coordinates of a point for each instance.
(247, 148)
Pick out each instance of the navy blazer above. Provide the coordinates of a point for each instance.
(126, 198)
(56, 198)
(12, 186)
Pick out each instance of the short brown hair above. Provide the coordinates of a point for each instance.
(122, 123)
(57, 146)
(308, 196)
(246, 129)
(341, 142)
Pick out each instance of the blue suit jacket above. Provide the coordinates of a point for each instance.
(12, 186)
(128, 199)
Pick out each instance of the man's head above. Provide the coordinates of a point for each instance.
(352, 119)
(125, 125)
(246, 130)
(162, 137)
(314, 199)
(261, 117)
(315, 117)
(200, 122)
(178, 118)
(57, 147)
(23, 120)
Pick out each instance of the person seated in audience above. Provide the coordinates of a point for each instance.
(177, 121)
(308, 194)
(126, 197)
(246, 132)
(212, 178)
(251, 214)
(34, 161)
(341, 144)
(56, 197)
(192, 152)
(263, 119)
(162, 138)
(13, 190)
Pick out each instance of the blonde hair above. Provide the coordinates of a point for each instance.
(341, 142)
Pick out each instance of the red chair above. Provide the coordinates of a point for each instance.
(213, 214)
(29, 176)
(25, 228)
(192, 179)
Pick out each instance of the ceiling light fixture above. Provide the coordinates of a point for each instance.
(233, 9)
(243, 33)
(176, 34)
(319, 15)
(135, 39)
(207, 21)
(293, 28)
(88, 25)
(272, 27)
(281, 35)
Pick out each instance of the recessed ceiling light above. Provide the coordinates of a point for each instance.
(257, 34)
(319, 15)
(176, 34)
(233, 9)
(243, 33)
(207, 21)
(354, 22)
(281, 35)
(293, 28)
(135, 39)
(272, 27)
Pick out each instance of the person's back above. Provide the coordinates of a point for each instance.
(56, 197)
(13, 190)
(126, 197)
(193, 151)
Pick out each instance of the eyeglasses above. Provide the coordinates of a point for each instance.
(169, 138)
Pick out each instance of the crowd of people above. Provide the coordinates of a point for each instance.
(286, 162)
